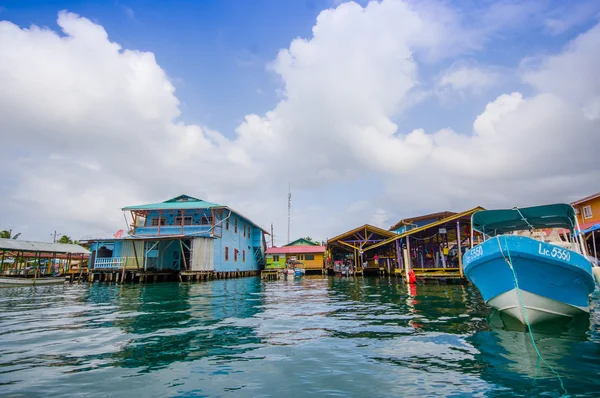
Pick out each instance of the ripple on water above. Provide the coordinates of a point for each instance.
(315, 335)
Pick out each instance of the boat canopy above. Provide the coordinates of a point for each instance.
(496, 222)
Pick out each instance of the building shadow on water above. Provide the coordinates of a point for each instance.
(178, 322)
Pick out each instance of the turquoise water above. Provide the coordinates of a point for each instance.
(312, 336)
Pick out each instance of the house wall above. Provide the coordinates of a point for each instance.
(271, 263)
(316, 263)
(595, 207)
(237, 240)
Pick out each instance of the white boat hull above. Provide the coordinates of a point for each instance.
(539, 308)
(30, 281)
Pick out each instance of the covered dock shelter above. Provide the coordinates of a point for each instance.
(365, 249)
(20, 258)
(434, 250)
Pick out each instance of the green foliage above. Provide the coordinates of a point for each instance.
(65, 239)
(8, 234)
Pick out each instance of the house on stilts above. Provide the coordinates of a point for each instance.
(183, 237)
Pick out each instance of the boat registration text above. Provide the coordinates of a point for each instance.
(556, 252)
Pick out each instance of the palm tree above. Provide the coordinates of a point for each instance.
(65, 239)
(8, 234)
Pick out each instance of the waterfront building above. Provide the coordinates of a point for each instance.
(301, 253)
(183, 234)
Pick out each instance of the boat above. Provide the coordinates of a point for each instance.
(21, 281)
(527, 266)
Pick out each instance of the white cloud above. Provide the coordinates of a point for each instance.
(88, 127)
(468, 78)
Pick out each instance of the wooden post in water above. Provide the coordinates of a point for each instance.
(458, 246)
(406, 264)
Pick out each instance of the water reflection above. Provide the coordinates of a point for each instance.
(510, 358)
(311, 335)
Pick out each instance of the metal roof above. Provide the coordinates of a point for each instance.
(410, 220)
(180, 202)
(435, 224)
(26, 246)
(587, 198)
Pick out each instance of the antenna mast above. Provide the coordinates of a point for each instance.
(289, 209)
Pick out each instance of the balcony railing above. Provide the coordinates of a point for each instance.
(110, 262)
(174, 230)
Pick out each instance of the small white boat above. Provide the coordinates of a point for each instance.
(20, 281)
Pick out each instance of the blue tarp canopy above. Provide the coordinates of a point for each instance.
(495, 222)
(591, 229)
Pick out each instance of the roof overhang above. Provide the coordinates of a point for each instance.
(436, 224)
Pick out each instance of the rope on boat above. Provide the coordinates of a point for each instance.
(516, 280)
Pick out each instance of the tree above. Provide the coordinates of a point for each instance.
(8, 234)
(65, 239)
(308, 238)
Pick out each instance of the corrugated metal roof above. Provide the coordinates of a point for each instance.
(587, 198)
(22, 245)
(426, 227)
(180, 202)
(295, 249)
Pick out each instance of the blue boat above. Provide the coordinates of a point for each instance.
(526, 267)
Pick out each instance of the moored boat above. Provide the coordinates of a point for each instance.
(22, 281)
(525, 268)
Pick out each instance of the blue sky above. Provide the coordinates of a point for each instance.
(393, 109)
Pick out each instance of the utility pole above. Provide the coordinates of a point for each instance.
(289, 208)
(55, 234)
(272, 236)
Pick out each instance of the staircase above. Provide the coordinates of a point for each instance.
(259, 256)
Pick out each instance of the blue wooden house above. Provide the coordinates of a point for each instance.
(183, 234)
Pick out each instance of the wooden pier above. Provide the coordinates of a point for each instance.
(139, 276)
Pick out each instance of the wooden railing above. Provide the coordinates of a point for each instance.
(110, 262)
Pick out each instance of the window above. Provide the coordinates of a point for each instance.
(587, 212)
(244, 255)
(163, 221)
(244, 230)
(235, 226)
(276, 258)
(300, 257)
(226, 253)
(206, 220)
(309, 257)
(187, 220)
(227, 224)
(235, 254)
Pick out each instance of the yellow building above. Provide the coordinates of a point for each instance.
(308, 257)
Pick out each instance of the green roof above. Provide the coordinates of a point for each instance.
(301, 241)
(179, 202)
(495, 222)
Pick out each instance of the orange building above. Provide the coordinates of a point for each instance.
(588, 215)
(588, 210)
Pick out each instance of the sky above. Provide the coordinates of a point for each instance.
(370, 111)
